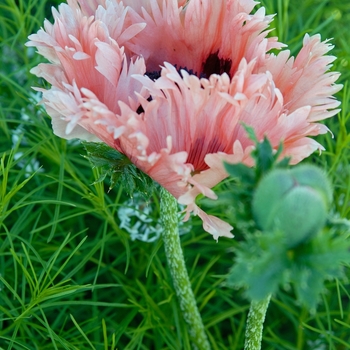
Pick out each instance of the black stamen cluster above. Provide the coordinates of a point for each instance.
(216, 65)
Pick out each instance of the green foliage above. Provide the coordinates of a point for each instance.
(119, 168)
(322, 258)
(264, 157)
(287, 242)
(264, 262)
(76, 277)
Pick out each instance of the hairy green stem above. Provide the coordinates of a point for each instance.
(179, 273)
(255, 324)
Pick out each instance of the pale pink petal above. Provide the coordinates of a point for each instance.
(302, 148)
(88, 7)
(177, 31)
(215, 226)
(304, 81)
(85, 50)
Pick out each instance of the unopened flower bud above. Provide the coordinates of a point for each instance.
(293, 201)
(309, 175)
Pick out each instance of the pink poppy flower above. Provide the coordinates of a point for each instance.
(168, 83)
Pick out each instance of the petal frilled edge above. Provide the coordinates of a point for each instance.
(306, 80)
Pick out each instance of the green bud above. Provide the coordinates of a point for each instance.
(294, 202)
(268, 196)
(309, 175)
(301, 215)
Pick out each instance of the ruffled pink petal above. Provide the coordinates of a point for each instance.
(301, 148)
(90, 72)
(251, 42)
(88, 7)
(85, 49)
(304, 81)
(199, 35)
(207, 179)
(112, 14)
(205, 114)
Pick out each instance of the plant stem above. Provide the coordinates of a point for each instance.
(179, 273)
(255, 323)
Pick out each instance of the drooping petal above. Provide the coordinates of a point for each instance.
(213, 225)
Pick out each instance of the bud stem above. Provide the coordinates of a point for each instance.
(179, 273)
(255, 324)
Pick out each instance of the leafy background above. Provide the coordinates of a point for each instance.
(71, 277)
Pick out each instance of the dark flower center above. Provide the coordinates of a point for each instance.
(153, 75)
(212, 65)
(216, 65)
(156, 74)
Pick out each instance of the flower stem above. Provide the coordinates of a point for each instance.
(255, 323)
(179, 273)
